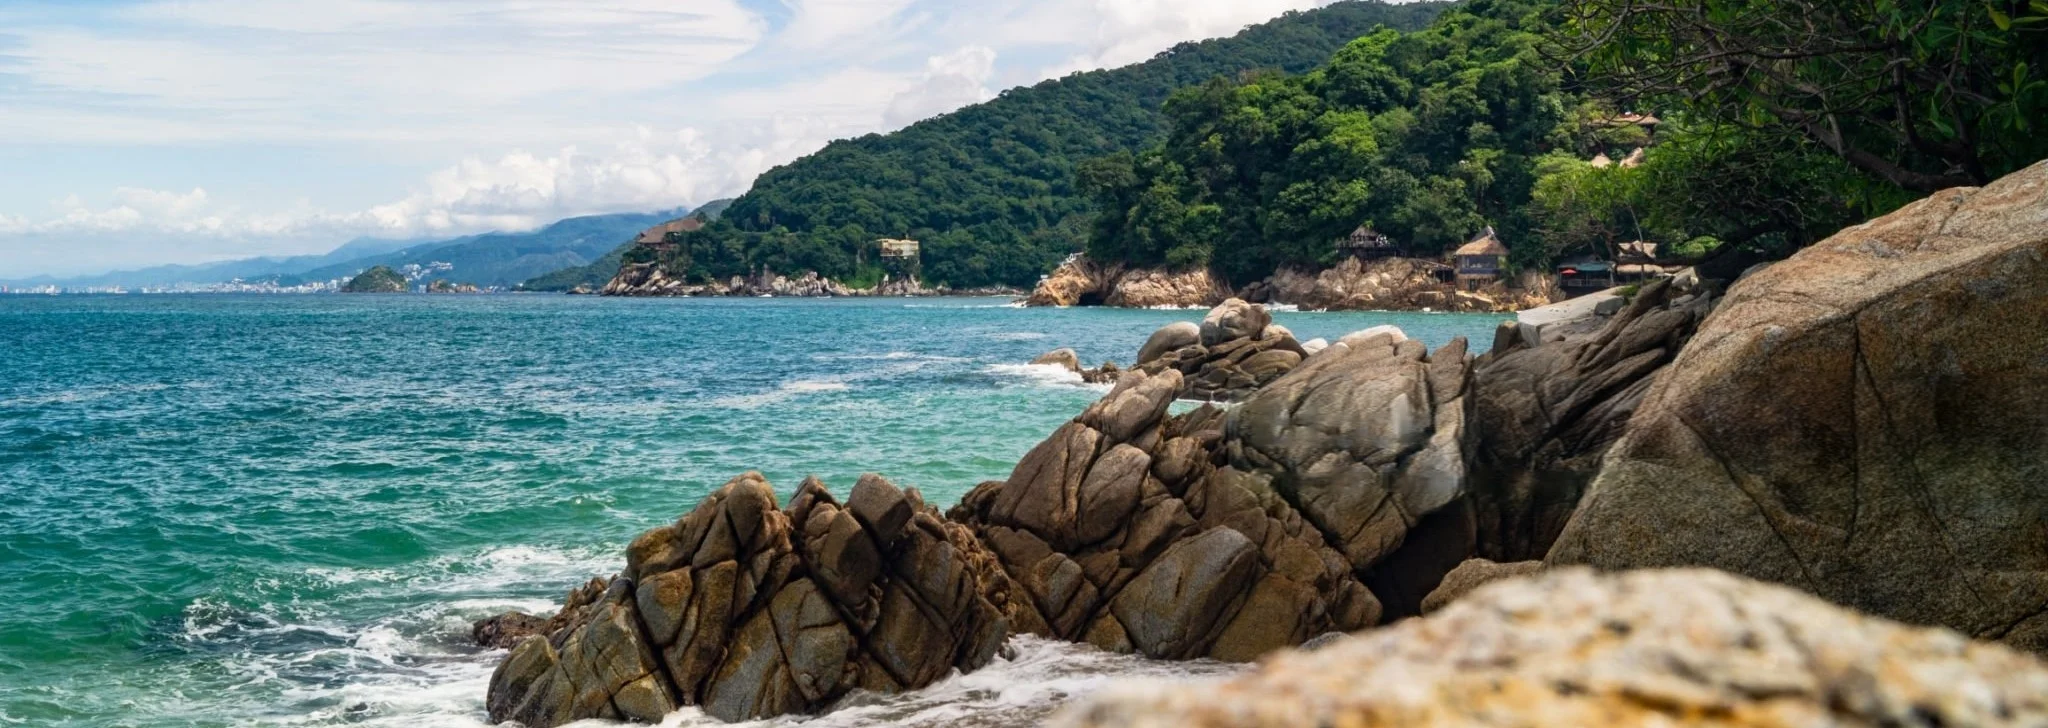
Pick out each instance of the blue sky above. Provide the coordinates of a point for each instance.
(178, 131)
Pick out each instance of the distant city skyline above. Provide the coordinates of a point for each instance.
(140, 133)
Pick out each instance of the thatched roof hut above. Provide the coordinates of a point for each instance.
(1487, 244)
(658, 235)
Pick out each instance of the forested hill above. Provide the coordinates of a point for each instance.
(989, 189)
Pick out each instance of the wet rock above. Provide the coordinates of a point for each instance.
(506, 630)
(1062, 357)
(1864, 420)
(1572, 648)
(749, 610)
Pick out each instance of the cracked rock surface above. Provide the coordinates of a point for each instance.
(1128, 530)
(749, 610)
(1234, 351)
(1573, 648)
(1866, 420)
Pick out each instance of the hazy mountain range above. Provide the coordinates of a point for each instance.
(487, 259)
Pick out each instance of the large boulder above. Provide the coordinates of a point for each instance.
(1865, 420)
(1234, 319)
(1062, 357)
(1572, 648)
(1547, 403)
(1121, 531)
(1368, 440)
(1171, 337)
(751, 611)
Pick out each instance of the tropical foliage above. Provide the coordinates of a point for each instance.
(990, 189)
(1425, 136)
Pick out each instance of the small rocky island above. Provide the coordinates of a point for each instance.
(378, 279)
(1862, 423)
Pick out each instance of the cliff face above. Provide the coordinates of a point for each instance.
(1394, 284)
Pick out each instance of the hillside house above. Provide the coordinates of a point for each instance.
(1481, 261)
(663, 237)
(899, 256)
(1366, 243)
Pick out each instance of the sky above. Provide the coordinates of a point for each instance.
(188, 131)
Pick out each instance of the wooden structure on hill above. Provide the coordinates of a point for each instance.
(664, 237)
(1481, 261)
(1366, 243)
(900, 256)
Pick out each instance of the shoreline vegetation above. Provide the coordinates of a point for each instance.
(1363, 481)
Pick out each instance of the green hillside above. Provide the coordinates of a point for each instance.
(989, 189)
(505, 259)
(598, 272)
(378, 279)
(1497, 114)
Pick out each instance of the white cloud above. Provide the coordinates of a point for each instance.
(1130, 31)
(552, 108)
(950, 81)
(307, 71)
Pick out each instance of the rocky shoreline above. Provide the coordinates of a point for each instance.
(1862, 422)
(1385, 284)
(650, 280)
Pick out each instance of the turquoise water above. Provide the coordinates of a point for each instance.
(234, 510)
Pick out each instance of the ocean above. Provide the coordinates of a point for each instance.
(223, 510)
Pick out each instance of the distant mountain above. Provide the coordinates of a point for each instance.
(224, 271)
(505, 259)
(596, 274)
(490, 259)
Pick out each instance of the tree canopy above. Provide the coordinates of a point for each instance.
(989, 189)
(1920, 94)
(1426, 136)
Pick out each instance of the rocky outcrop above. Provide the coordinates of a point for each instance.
(653, 280)
(1394, 284)
(1067, 359)
(1368, 441)
(507, 630)
(1081, 282)
(1128, 529)
(1155, 288)
(1546, 411)
(1865, 420)
(1234, 351)
(1572, 648)
(1076, 282)
(1387, 284)
(749, 610)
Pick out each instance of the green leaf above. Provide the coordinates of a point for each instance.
(1997, 18)
(2040, 6)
